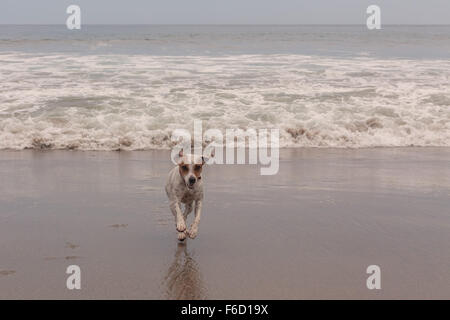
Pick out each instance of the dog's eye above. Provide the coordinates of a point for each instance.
(197, 167)
(185, 168)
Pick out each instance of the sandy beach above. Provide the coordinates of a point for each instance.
(308, 232)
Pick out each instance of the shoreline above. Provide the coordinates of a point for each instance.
(281, 148)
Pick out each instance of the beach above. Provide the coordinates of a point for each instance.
(308, 232)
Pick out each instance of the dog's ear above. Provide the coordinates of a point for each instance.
(178, 157)
(205, 158)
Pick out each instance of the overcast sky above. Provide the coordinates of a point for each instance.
(225, 11)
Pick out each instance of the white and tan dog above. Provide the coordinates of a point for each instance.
(185, 185)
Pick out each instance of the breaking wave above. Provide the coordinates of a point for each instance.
(134, 102)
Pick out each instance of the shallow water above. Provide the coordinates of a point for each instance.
(308, 232)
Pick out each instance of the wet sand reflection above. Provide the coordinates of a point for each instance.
(183, 279)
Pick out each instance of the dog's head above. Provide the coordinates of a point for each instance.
(190, 167)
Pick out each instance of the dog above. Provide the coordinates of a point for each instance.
(185, 185)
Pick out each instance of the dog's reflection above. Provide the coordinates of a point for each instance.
(183, 279)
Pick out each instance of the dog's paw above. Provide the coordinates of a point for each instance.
(181, 236)
(193, 232)
(181, 226)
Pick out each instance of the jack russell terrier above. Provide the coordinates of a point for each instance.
(185, 185)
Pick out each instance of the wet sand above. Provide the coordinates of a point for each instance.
(308, 232)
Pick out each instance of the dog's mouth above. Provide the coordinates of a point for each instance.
(191, 182)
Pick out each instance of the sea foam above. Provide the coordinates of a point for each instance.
(134, 102)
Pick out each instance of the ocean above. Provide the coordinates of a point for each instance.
(128, 87)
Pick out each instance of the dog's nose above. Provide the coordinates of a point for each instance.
(191, 180)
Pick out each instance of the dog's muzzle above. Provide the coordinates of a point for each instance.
(192, 181)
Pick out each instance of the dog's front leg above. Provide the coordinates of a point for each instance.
(179, 219)
(194, 226)
(187, 210)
